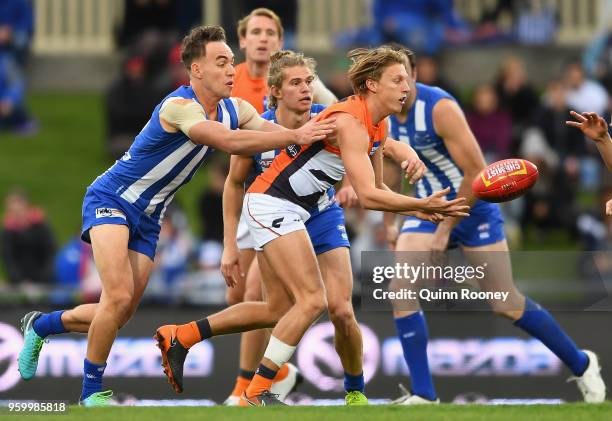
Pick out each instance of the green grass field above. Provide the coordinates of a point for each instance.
(374, 413)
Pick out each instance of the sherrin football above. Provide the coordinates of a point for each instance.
(505, 180)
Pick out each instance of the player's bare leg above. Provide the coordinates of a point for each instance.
(536, 321)
(412, 327)
(252, 343)
(306, 287)
(234, 319)
(116, 269)
(78, 319)
(337, 275)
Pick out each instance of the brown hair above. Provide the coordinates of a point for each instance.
(281, 60)
(370, 64)
(261, 11)
(194, 44)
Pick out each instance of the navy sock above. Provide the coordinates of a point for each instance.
(49, 324)
(412, 333)
(246, 374)
(541, 325)
(204, 328)
(266, 372)
(92, 378)
(352, 383)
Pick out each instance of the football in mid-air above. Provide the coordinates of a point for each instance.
(505, 180)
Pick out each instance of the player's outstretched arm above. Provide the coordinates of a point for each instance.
(188, 116)
(233, 195)
(595, 128)
(250, 142)
(353, 143)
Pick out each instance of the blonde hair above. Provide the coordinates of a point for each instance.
(261, 11)
(370, 64)
(284, 59)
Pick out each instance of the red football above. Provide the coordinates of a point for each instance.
(505, 180)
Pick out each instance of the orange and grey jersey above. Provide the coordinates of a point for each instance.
(304, 174)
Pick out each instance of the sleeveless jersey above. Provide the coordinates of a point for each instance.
(418, 131)
(303, 174)
(158, 163)
(262, 161)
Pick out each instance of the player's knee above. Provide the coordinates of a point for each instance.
(313, 305)
(341, 314)
(232, 297)
(120, 304)
(252, 295)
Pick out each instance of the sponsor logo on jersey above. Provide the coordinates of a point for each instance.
(293, 150)
(422, 140)
(109, 213)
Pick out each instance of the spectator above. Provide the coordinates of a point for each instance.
(536, 23)
(428, 72)
(211, 217)
(75, 271)
(491, 125)
(423, 25)
(128, 105)
(27, 242)
(143, 16)
(178, 74)
(515, 93)
(584, 94)
(13, 114)
(172, 258)
(16, 28)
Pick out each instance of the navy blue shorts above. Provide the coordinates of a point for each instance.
(327, 230)
(483, 227)
(102, 206)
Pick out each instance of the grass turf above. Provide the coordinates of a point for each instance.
(384, 412)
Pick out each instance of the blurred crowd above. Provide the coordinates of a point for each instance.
(16, 30)
(509, 115)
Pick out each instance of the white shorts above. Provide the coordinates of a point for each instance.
(244, 237)
(269, 217)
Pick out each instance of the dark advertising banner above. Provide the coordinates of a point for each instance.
(473, 355)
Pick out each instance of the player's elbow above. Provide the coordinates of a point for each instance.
(367, 198)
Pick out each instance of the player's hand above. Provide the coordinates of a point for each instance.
(609, 207)
(437, 203)
(346, 197)
(591, 124)
(391, 232)
(230, 266)
(313, 131)
(414, 170)
(436, 218)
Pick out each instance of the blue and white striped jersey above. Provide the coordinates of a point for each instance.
(158, 163)
(418, 131)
